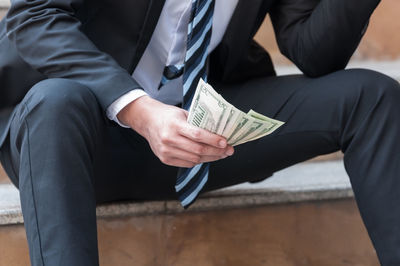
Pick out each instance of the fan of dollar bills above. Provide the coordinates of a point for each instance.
(212, 112)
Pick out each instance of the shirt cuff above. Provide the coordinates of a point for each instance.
(121, 102)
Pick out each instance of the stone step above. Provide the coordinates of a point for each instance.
(302, 182)
(248, 224)
(4, 4)
(323, 233)
(333, 156)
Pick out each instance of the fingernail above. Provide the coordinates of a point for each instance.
(229, 152)
(222, 143)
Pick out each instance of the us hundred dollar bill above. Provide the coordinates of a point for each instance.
(210, 111)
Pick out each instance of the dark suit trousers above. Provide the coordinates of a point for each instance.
(65, 156)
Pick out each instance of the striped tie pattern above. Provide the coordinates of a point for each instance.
(190, 181)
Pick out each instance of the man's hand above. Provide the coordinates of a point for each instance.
(172, 139)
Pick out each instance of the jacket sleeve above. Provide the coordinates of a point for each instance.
(46, 34)
(320, 36)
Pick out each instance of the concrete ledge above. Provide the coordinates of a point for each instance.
(4, 3)
(303, 182)
(389, 68)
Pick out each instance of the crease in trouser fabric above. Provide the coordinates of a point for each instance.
(54, 172)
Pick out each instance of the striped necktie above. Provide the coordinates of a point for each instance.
(190, 181)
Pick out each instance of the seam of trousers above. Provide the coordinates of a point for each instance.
(32, 188)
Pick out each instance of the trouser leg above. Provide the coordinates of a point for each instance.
(54, 139)
(65, 157)
(371, 142)
(356, 111)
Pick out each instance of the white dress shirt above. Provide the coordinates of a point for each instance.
(168, 47)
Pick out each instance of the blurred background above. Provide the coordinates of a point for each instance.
(380, 43)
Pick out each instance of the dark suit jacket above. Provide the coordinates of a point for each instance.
(98, 43)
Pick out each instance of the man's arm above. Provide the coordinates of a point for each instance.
(46, 34)
(320, 36)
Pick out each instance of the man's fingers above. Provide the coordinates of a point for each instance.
(170, 153)
(200, 148)
(201, 135)
(180, 163)
(208, 159)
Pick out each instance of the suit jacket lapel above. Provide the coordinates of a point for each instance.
(152, 15)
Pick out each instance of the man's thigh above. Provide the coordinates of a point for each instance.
(315, 112)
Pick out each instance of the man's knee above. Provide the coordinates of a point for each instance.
(375, 85)
(59, 93)
(56, 111)
(54, 107)
(369, 96)
(361, 91)
(58, 101)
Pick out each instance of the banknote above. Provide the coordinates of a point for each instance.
(210, 111)
(266, 129)
(254, 127)
(242, 121)
(269, 126)
(207, 110)
(234, 114)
